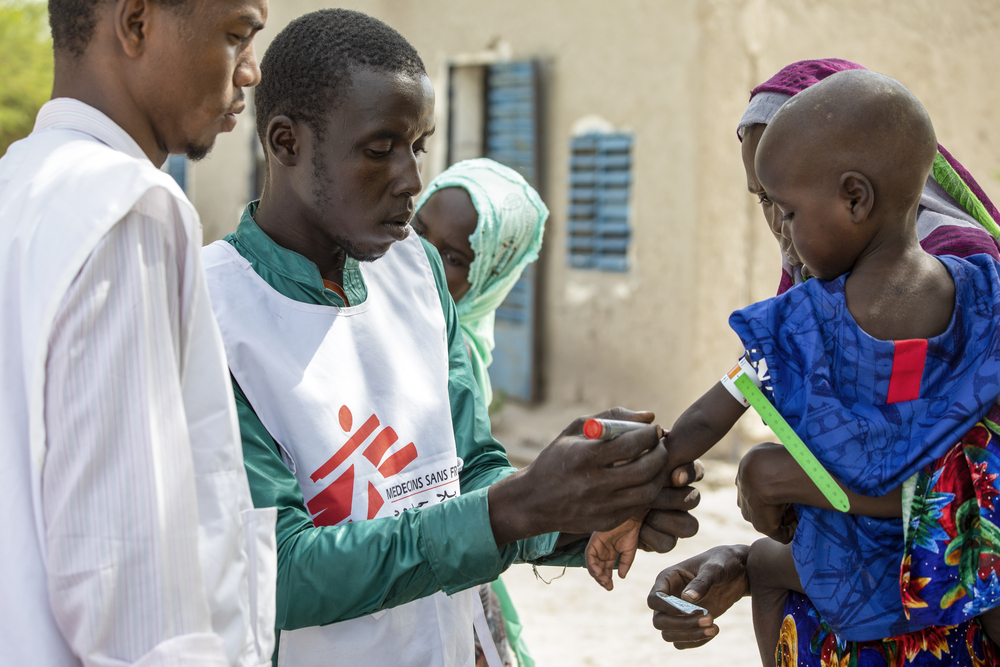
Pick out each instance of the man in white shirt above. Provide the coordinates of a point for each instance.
(129, 532)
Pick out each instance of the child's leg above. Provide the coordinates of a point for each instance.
(771, 572)
(991, 624)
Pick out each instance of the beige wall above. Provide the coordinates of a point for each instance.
(219, 185)
(677, 73)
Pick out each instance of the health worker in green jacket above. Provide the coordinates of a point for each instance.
(360, 416)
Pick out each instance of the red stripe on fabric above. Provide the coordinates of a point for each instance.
(398, 461)
(375, 501)
(380, 445)
(908, 361)
(333, 504)
(359, 437)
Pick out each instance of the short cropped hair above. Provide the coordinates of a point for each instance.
(73, 22)
(307, 68)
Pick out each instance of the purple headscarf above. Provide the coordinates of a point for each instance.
(796, 77)
(801, 75)
(948, 173)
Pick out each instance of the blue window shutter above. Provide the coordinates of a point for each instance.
(512, 139)
(511, 117)
(177, 168)
(600, 179)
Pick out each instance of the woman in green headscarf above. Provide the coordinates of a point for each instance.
(487, 223)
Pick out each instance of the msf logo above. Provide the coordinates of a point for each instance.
(333, 504)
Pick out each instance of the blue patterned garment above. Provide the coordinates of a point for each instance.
(830, 380)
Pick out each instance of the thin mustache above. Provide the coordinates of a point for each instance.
(238, 102)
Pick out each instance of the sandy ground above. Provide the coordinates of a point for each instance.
(574, 622)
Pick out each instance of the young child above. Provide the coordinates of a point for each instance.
(881, 363)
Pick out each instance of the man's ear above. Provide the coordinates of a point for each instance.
(858, 195)
(132, 18)
(285, 140)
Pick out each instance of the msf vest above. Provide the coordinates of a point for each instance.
(357, 400)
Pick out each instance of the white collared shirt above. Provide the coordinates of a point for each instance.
(130, 535)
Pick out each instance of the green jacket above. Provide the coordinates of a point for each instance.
(334, 573)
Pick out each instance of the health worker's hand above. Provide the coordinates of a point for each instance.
(715, 580)
(580, 486)
(669, 517)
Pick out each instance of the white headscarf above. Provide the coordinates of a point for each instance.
(507, 238)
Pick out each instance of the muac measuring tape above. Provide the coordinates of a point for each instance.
(742, 379)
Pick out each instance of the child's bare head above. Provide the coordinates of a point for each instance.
(846, 161)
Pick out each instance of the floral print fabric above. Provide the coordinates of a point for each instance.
(807, 641)
(951, 558)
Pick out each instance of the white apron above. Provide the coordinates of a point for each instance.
(63, 191)
(357, 399)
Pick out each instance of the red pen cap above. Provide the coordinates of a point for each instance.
(593, 429)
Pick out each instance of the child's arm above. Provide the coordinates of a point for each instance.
(771, 573)
(604, 548)
(703, 424)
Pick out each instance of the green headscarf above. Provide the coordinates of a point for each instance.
(507, 238)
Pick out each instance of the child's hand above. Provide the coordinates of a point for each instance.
(604, 548)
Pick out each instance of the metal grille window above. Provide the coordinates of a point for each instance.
(600, 178)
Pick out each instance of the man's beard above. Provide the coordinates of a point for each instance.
(356, 252)
(195, 153)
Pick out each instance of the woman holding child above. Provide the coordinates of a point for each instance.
(947, 565)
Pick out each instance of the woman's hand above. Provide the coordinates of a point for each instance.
(764, 470)
(715, 580)
(770, 480)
